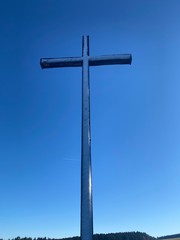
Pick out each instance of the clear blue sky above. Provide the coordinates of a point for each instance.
(135, 117)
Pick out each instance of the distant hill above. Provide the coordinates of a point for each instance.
(170, 236)
(123, 236)
(109, 236)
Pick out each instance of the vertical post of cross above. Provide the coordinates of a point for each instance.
(86, 168)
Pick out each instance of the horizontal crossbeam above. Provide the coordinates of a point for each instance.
(93, 61)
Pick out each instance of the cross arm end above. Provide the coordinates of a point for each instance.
(110, 59)
(61, 62)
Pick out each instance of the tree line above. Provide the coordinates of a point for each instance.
(108, 236)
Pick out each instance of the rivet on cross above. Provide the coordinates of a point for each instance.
(86, 171)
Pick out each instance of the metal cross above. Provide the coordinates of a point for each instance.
(86, 171)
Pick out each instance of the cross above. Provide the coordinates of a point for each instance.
(86, 170)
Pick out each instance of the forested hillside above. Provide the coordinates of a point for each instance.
(109, 236)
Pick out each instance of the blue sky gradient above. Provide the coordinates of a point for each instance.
(135, 117)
